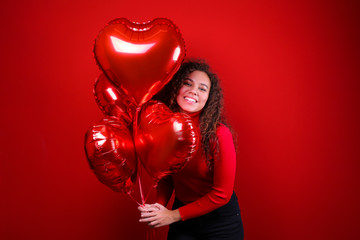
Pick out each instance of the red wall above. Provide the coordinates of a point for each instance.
(290, 72)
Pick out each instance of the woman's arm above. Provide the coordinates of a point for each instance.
(223, 183)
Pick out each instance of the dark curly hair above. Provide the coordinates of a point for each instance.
(212, 113)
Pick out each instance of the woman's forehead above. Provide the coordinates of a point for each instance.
(199, 77)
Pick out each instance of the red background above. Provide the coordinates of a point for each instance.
(290, 72)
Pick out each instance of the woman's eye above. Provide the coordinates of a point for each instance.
(187, 83)
(202, 89)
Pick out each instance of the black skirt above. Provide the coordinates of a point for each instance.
(222, 223)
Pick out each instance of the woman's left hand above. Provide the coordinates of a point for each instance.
(156, 215)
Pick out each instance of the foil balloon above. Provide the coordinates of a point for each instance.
(112, 101)
(165, 141)
(111, 154)
(140, 58)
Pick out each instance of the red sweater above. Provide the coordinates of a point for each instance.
(200, 189)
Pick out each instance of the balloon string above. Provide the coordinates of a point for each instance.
(129, 194)
(138, 160)
(148, 194)
(141, 190)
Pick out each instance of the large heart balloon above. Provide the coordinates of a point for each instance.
(112, 101)
(111, 154)
(140, 58)
(165, 141)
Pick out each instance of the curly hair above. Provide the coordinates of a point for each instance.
(212, 113)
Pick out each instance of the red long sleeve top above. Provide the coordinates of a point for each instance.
(200, 189)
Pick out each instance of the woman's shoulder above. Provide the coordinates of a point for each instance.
(223, 130)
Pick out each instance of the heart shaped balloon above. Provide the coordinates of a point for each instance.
(165, 141)
(140, 58)
(111, 155)
(112, 101)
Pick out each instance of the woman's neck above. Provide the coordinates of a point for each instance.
(194, 114)
(195, 117)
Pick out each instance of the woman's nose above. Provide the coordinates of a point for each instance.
(194, 92)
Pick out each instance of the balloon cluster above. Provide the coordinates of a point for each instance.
(137, 60)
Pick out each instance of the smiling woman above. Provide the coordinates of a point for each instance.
(205, 204)
(194, 93)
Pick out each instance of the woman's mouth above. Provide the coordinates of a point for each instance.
(191, 100)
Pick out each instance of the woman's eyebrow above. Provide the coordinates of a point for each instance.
(203, 84)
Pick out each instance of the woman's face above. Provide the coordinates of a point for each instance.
(194, 92)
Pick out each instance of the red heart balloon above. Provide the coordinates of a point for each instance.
(140, 58)
(165, 141)
(111, 154)
(112, 101)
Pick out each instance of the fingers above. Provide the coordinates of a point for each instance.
(143, 208)
(153, 208)
(152, 219)
(152, 214)
(148, 219)
(149, 207)
(148, 214)
(154, 224)
(159, 206)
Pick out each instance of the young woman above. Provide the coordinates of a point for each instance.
(205, 205)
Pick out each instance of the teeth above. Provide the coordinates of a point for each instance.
(190, 99)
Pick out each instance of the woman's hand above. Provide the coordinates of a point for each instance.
(156, 215)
